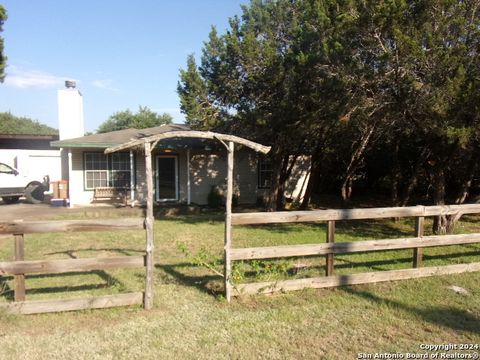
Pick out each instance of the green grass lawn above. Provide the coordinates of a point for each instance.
(191, 320)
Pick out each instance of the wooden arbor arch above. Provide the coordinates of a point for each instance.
(147, 144)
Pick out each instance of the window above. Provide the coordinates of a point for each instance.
(111, 170)
(265, 174)
(96, 170)
(6, 169)
(120, 170)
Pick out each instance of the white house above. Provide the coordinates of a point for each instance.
(185, 170)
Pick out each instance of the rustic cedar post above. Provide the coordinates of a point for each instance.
(418, 252)
(228, 222)
(330, 239)
(148, 300)
(231, 139)
(19, 279)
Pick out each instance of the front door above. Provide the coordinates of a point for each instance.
(167, 178)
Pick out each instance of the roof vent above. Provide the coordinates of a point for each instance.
(70, 84)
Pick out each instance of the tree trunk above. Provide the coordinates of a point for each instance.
(355, 160)
(462, 194)
(412, 182)
(280, 188)
(396, 177)
(466, 183)
(275, 198)
(438, 180)
(312, 184)
(347, 188)
(285, 172)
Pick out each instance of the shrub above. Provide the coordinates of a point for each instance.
(217, 196)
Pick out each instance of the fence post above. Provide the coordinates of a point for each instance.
(19, 256)
(149, 223)
(418, 252)
(228, 223)
(330, 239)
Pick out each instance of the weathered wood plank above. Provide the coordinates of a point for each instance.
(351, 247)
(330, 240)
(150, 235)
(48, 306)
(418, 252)
(350, 214)
(30, 227)
(354, 279)
(69, 265)
(228, 223)
(19, 294)
(190, 134)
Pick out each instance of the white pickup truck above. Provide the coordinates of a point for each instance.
(13, 185)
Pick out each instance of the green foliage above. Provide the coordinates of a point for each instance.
(342, 79)
(284, 75)
(11, 124)
(3, 287)
(202, 258)
(195, 101)
(144, 118)
(215, 199)
(260, 270)
(3, 58)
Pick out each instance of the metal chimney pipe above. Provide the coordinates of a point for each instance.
(70, 84)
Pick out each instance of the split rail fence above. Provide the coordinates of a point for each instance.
(330, 247)
(20, 267)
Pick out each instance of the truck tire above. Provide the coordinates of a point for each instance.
(34, 193)
(10, 199)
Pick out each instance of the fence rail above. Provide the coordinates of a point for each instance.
(351, 214)
(330, 247)
(20, 267)
(69, 265)
(98, 302)
(36, 227)
(353, 279)
(351, 247)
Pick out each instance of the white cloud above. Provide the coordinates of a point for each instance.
(105, 84)
(27, 78)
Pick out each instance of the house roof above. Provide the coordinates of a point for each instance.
(113, 138)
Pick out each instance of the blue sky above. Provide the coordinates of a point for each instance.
(121, 53)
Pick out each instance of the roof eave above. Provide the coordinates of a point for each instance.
(66, 144)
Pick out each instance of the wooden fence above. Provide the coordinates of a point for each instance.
(20, 266)
(329, 248)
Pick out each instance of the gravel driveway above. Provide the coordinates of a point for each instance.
(22, 210)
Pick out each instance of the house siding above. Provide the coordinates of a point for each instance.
(207, 169)
(78, 194)
(210, 170)
(182, 176)
(296, 184)
(141, 180)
